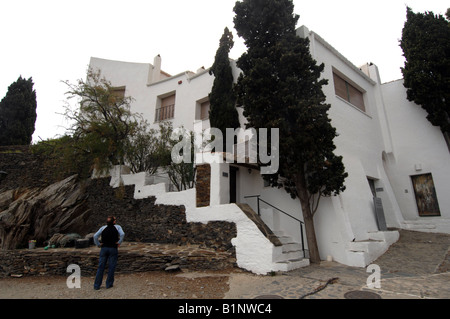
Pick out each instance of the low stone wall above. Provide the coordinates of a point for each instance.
(133, 257)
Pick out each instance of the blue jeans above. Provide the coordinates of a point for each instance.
(109, 255)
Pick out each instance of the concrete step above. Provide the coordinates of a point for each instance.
(419, 225)
(290, 255)
(291, 247)
(285, 256)
(291, 264)
(428, 225)
(362, 253)
(285, 239)
(288, 243)
(365, 245)
(290, 250)
(389, 237)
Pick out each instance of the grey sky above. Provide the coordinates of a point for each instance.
(53, 40)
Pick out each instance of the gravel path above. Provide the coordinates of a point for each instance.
(150, 285)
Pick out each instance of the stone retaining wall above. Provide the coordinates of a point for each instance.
(143, 221)
(133, 257)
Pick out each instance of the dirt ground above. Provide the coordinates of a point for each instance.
(150, 285)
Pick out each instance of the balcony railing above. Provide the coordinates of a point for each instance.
(165, 113)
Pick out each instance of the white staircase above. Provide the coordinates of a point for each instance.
(289, 255)
(362, 253)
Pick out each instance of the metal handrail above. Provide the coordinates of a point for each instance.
(301, 222)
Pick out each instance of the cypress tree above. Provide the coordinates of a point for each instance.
(18, 113)
(426, 47)
(223, 113)
(280, 87)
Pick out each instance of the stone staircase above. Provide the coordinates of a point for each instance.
(289, 255)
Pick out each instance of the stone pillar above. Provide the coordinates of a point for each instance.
(203, 185)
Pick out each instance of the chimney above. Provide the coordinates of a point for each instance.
(201, 69)
(155, 72)
(365, 69)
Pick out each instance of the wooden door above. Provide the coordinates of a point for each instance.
(426, 199)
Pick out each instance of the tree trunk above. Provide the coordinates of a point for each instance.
(314, 256)
(447, 139)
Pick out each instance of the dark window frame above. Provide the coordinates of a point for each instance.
(352, 95)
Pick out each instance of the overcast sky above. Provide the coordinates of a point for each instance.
(53, 40)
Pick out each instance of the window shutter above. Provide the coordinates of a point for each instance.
(170, 100)
(205, 106)
(348, 92)
(340, 87)
(119, 92)
(356, 97)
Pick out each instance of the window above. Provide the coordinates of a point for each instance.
(167, 109)
(119, 92)
(204, 110)
(348, 92)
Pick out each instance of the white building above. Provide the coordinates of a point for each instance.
(390, 151)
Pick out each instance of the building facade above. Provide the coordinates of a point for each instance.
(398, 163)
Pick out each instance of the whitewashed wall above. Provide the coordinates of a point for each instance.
(416, 142)
(189, 88)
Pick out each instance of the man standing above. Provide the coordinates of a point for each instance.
(112, 237)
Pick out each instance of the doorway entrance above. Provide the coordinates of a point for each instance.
(378, 206)
(233, 184)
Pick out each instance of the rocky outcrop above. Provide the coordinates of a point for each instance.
(37, 214)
